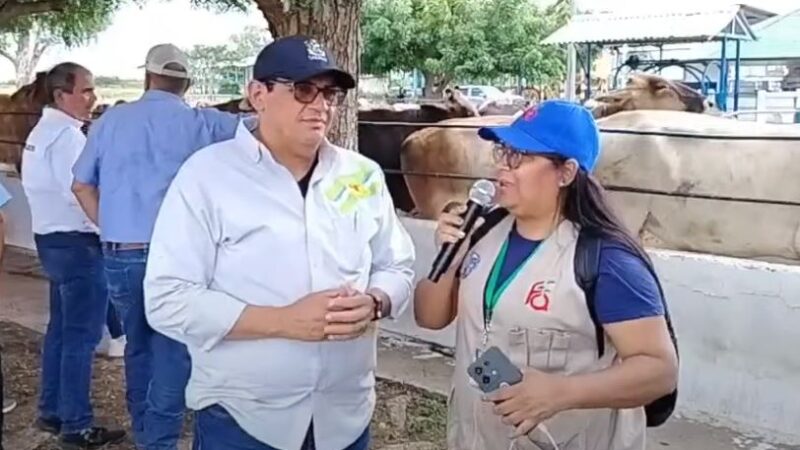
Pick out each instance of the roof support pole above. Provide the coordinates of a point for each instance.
(722, 87)
(570, 87)
(737, 77)
(588, 71)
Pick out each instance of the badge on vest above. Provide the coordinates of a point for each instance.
(470, 263)
(538, 298)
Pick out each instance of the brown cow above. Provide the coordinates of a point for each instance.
(647, 91)
(382, 143)
(19, 113)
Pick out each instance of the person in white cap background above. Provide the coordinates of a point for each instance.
(132, 153)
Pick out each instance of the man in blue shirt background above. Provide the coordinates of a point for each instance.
(132, 154)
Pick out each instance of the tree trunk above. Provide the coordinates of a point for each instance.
(336, 24)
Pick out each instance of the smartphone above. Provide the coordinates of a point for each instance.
(493, 369)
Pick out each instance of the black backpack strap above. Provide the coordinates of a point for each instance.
(490, 219)
(587, 268)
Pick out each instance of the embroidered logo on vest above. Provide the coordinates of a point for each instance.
(470, 263)
(539, 296)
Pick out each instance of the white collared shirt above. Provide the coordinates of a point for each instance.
(50, 151)
(234, 230)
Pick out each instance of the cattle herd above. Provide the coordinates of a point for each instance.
(681, 177)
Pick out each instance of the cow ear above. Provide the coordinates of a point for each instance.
(663, 89)
(244, 105)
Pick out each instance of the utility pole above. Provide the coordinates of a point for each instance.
(571, 58)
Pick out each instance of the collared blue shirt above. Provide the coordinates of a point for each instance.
(133, 152)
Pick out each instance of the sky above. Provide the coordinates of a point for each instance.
(121, 48)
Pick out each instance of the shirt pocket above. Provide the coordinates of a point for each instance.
(549, 349)
(352, 234)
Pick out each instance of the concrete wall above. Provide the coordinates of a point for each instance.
(738, 325)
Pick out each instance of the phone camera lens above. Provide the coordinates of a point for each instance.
(486, 380)
(479, 370)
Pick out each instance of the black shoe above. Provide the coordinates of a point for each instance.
(52, 426)
(94, 437)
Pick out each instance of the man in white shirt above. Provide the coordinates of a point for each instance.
(70, 253)
(272, 256)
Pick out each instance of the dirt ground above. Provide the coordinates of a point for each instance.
(406, 418)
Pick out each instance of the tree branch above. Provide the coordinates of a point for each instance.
(8, 56)
(12, 9)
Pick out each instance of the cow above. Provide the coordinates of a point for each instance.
(647, 91)
(382, 143)
(666, 151)
(19, 113)
(503, 107)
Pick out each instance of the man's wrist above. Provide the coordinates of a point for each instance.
(381, 303)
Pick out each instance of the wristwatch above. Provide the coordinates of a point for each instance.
(378, 302)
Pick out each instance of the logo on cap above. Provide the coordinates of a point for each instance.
(530, 114)
(315, 51)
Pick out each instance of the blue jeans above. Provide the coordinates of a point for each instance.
(215, 429)
(157, 368)
(73, 263)
(113, 323)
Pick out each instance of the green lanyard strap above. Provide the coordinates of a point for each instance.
(493, 294)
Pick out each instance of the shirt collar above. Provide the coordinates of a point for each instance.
(259, 153)
(56, 115)
(157, 94)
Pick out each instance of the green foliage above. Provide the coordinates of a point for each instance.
(219, 68)
(463, 39)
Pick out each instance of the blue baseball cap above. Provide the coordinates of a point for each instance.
(553, 127)
(298, 58)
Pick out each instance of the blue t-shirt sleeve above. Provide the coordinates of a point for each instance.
(626, 290)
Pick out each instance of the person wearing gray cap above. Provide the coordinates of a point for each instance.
(275, 270)
(132, 153)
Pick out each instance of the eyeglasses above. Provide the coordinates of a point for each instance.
(507, 156)
(306, 92)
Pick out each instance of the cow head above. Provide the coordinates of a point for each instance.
(646, 91)
(457, 104)
(32, 96)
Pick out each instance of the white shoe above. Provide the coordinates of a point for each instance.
(116, 347)
(8, 406)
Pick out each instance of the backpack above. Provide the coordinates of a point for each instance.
(587, 265)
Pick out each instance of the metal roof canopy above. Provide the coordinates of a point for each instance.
(703, 24)
(664, 27)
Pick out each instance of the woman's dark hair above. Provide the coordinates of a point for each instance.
(586, 204)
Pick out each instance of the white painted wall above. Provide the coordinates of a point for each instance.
(738, 325)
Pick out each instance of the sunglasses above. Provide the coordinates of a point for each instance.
(306, 92)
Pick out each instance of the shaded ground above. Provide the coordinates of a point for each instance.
(407, 418)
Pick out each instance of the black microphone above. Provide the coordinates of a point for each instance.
(481, 195)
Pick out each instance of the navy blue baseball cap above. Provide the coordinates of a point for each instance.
(298, 58)
(553, 127)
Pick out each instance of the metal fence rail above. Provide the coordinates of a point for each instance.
(611, 188)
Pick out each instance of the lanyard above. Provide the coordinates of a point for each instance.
(493, 292)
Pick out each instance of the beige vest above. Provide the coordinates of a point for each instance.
(541, 321)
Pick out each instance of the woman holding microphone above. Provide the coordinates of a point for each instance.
(517, 290)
